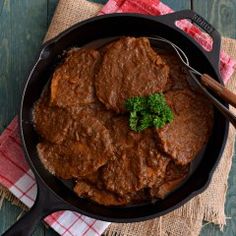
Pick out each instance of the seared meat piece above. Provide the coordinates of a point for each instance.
(175, 175)
(51, 122)
(130, 67)
(178, 74)
(84, 189)
(95, 109)
(73, 81)
(53, 158)
(91, 149)
(138, 163)
(92, 186)
(193, 118)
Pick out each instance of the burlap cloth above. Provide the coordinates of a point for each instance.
(208, 206)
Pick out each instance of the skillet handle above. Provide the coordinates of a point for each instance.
(25, 226)
(45, 204)
(170, 20)
(220, 89)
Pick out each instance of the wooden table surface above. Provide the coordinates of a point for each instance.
(23, 24)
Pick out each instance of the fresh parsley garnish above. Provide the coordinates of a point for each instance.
(150, 111)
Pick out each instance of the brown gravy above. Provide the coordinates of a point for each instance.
(84, 128)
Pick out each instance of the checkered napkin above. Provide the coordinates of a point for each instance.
(14, 171)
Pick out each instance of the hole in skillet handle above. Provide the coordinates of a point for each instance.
(197, 33)
(171, 19)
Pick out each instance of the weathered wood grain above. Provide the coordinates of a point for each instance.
(1, 6)
(4, 59)
(220, 14)
(178, 5)
(22, 27)
(99, 1)
(51, 5)
(11, 214)
(230, 208)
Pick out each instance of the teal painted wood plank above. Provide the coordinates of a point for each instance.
(22, 22)
(10, 214)
(221, 14)
(230, 208)
(22, 28)
(50, 9)
(1, 6)
(178, 5)
(99, 1)
(4, 60)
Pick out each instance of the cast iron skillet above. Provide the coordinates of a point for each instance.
(53, 194)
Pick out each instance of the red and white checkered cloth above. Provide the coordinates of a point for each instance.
(14, 171)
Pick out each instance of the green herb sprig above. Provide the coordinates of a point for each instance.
(150, 111)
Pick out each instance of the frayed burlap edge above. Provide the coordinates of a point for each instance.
(183, 221)
(5, 194)
(70, 12)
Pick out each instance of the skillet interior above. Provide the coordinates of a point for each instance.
(102, 28)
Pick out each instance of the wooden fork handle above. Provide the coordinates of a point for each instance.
(223, 92)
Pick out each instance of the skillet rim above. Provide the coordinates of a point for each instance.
(45, 48)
